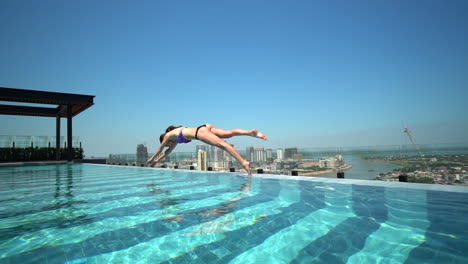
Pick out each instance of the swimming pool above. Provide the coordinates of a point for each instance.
(82, 213)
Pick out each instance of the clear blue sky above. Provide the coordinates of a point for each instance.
(306, 73)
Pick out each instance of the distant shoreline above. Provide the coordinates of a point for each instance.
(318, 173)
(382, 160)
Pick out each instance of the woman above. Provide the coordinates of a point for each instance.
(206, 133)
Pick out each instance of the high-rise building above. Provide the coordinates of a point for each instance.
(289, 153)
(269, 153)
(218, 155)
(205, 148)
(141, 154)
(258, 154)
(249, 153)
(211, 154)
(280, 154)
(202, 147)
(202, 160)
(227, 156)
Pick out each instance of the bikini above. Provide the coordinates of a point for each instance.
(196, 132)
(180, 138)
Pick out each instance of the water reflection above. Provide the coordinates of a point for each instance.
(71, 211)
(226, 208)
(66, 210)
(171, 214)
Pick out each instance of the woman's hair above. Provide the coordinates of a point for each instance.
(169, 128)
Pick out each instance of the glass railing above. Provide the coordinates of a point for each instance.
(434, 163)
(8, 141)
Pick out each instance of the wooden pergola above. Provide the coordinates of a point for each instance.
(67, 106)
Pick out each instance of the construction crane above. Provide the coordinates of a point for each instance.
(413, 140)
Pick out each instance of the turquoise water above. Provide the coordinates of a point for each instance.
(81, 213)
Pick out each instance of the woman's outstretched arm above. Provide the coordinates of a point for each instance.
(158, 151)
(166, 153)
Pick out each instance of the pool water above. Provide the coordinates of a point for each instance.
(82, 213)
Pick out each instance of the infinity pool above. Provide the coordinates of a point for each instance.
(81, 213)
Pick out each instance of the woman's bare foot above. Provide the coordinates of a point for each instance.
(259, 134)
(246, 166)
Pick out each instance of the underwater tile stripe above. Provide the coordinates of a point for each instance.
(15, 226)
(67, 193)
(64, 182)
(404, 229)
(42, 176)
(111, 241)
(90, 180)
(54, 236)
(135, 210)
(86, 175)
(77, 190)
(365, 199)
(82, 173)
(237, 241)
(85, 210)
(116, 191)
(89, 200)
(32, 171)
(349, 236)
(445, 241)
(160, 249)
(102, 182)
(35, 167)
(303, 232)
(92, 188)
(91, 175)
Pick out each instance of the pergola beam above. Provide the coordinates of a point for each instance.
(27, 110)
(78, 102)
(42, 97)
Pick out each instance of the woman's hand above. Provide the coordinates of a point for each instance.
(148, 163)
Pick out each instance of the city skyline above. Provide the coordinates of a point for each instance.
(308, 74)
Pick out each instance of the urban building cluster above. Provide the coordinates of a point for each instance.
(438, 175)
(216, 158)
(207, 157)
(444, 169)
(441, 169)
(332, 162)
(280, 161)
(220, 160)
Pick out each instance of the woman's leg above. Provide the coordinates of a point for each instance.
(222, 133)
(212, 139)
